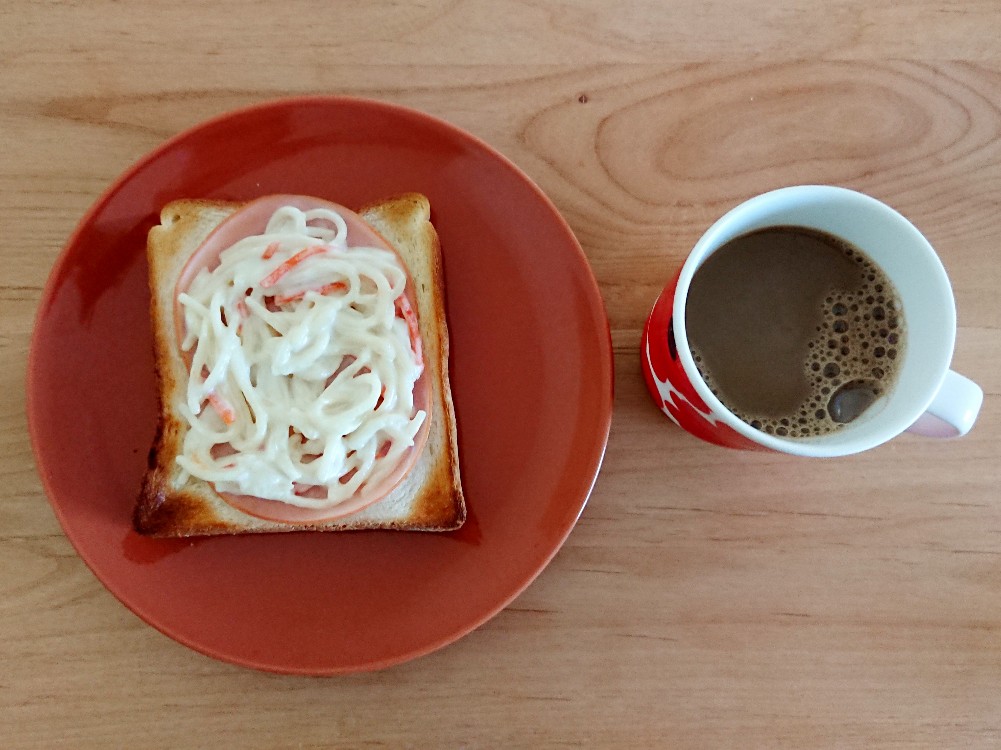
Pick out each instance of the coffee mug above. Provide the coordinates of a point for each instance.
(926, 398)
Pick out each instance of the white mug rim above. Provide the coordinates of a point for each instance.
(833, 444)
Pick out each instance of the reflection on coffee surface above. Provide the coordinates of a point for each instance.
(797, 332)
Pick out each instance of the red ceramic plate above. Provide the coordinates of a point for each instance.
(531, 379)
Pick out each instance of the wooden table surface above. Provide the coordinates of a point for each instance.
(707, 598)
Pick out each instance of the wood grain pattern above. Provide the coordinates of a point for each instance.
(707, 598)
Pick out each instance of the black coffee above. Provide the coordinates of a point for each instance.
(796, 331)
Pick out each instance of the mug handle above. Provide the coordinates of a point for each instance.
(953, 410)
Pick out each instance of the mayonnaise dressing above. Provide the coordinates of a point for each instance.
(304, 355)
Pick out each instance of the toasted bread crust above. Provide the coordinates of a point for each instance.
(430, 498)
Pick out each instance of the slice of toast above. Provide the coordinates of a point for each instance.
(429, 498)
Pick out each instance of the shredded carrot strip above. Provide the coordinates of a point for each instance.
(270, 250)
(415, 333)
(326, 288)
(272, 278)
(223, 409)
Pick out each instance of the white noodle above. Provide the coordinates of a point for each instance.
(300, 381)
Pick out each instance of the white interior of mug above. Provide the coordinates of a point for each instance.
(912, 266)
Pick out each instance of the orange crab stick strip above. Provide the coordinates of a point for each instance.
(270, 250)
(272, 278)
(223, 409)
(325, 289)
(415, 334)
